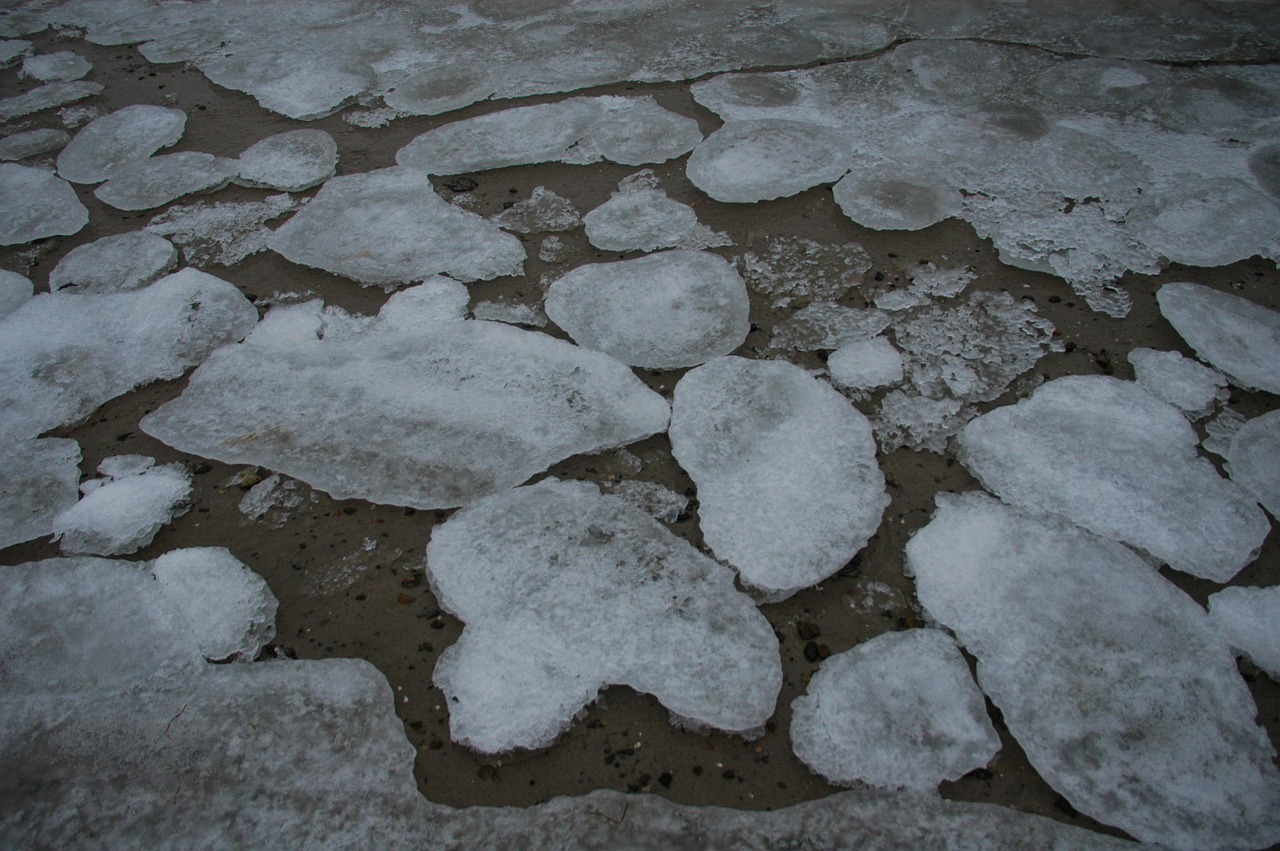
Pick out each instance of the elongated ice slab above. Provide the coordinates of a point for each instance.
(290, 161)
(29, 143)
(539, 572)
(409, 408)
(1189, 386)
(1236, 335)
(1114, 681)
(155, 181)
(748, 161)
(115, 140)
(121, 512)
(38, 481)
(35, 204)
(1253, 460)
(1108, 455)
(47, 97)
(788, 484)
(126, 261)
(1249, 620)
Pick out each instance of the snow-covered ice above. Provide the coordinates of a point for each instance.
(63, 66)
(15, 291)
(1189, 386)
(539, 573)
(542, 212)
(787, 266)
(29, 143)
(900, 710)
(1236, 335)
(122, 510)
(1115, 683)
(662, 311)
(1249, 620)
(1253, 460)
(389, 227)
(224, 233)
(39, 480)
(865, 365)
(227, 607)
(788, 485)
(35, 204)
(47, 97)
(118, 139)
(640, 217)
(1108, 455)
(126, 261)
(748, 161)
(155, 181)
(289, 162)
(827, 325)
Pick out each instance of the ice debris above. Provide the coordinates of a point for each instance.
(919, 422)
(1249, 621)
(29, 143)
(63, 67)
(661, 311)
(640, 217)
(1114, 682)
(126, 261)
(851, 726)
(1191, 387)
(1253, 460)
(155, 181)
(412, 407)
(35, 204)
(827, 325)
(39, 482)
(865, 365)
(659, 502)
(512, 313)
(793, 266)
(1106, 454)
(225, 233)
(552, 250)
(748, 161)
(15, 291)
(124, 508)
(542, 212)
(1236, 335)
(927, 281)
(118, 139)
(389, 228)
(539, 572)
(289, 162)
(46, 97)
(788, 485)
(78, 116)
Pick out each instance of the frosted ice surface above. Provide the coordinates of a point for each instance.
(227, 606)
(626, 130)
(62, 356)
(19, 146)
(918, 422)
(1236, 335)
(900, 710)
(115, 140)
(512, 313)
(660, 503)
(389, 227)
(123, 513)
(46, 97)
(826, 325)
(63, 66)
(1114, 681)
(661, 311)
(748, 161)
(155, 181)
(222, 234)
(407, 408)
(289, 162)
(126, 261)
(865, 365)
(1220, 430)
(15, 291)
(38, 482)
(1249, 620)
(537, 574)
(785, 266)
(788, 485)
(1189, 386)
(35, 204)
(640, 217)
(1253, 460)
(1108, 455)
(943, 281)
(542, 212)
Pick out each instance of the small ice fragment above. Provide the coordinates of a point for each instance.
(758, 160)
(1220, 430)
(19, 146)
(155, 181)
(1249, 620)
(63, 67)
(113, 264)
(865, 365)
(35, 204)
(123, 514)
(786, 266)
(46, 97)
(918, 422)
(118, 139)
(229, 608)
(640, 217)
(290, 161)
(544, 211)
(13, 49)
(553, 250)
(1189, 386)
(1253, 460)
(1236, 335)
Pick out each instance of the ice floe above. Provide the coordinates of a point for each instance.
(865, 365)
(47, 97)
(1236, 335)
(29, 143)
(1249, 620)
(124, 508)
(389, 228)
(225, 233)
(118, 139)
(542, 212)
(63, 66)
(1108, 455)
(155, 181)
(793, 266)
(539, 572)
(38, 481)
(1191, 387)
(1114, 682)
(126, 261)
(35, 204)
(662, 311)
(15, 291)
(1253, 459)
(900, 710)
(640, 217)
(748, 161)
(788, 485)
(412, 407)
(290, 161)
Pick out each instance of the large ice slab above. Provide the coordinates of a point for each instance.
(1249, 619)
(748, 161)
(389, 227)
(640, 217)
(62, 356)
(1253, 459)
(1108, 455)
(290, 161)
(38, 481)
(788, 484)
(35, 204)
(155, 181)
(221, 234)
(29, 143)
(539, 573)
(851, 726)
(1191, 387)
(115, 140)
(1236, 335)
(124, 508)
(667, 310)
(626, 130)
(408, 408)
(126, 261)
(1114, 681)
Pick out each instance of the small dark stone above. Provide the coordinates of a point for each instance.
(411, 581)
(123, 437)
(811, 651)
(697, 771)
(982, 774)
(823, 651)
(665, 779)
(626, 751)
(409, 512)
(201, 467)
(1055, 299)
(808, 630)
(436, 744)
(595, 724)
(426, 647)
(1065, 805)
(609, 759)
(360, 598)
(879, 276)
(728, 774)
(349, 510)
(460, 184)
(1069, 346)
(684, 517)
(437, 623)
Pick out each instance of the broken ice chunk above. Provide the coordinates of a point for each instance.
(1108, 455)
(1114, 681)
(126, 509)
(38, 481)
(826, 325)
(19, 146)
(944, 282)
(155, 181)
(15, 291)
(865, 365)
(660, 503)
(222, 234)
(1236, 335)
(785, 266)
(539, 573)
(544, 211)
(118, 139)
(270, 493)
(640, 217)
(1249, 620)
(46, 97)
(389, 227)
(35, 204)
(63, 66)
(851, 726)
(788, 485)
(663, 311)
(511, 313)
(1189, 386)
(748, 161)
(228, 608)
(1253, 459)
(126, 261)
(289, 162)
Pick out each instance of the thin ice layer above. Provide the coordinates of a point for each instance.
(788, 485)
(1238, 336)
(667, 310)
(827, 325)
(538, 574)
(1114, 681)
(786, 266)
(900, 710)
(411, 407)
(289, 162)
(126, 261)
(38, 481)
(115, 140)
(62, 356)
(1253, 460)
(1249, 620)
(221, 234)
(389, 227)
(29, 143)
(748, 161)
(35, 204)
(155, 181)
(122, 513)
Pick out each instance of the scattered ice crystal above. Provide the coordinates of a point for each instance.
(1236, 335)
(411, 407)
(511, 313)
(155, 181)
(35, 204)
(659, 502)
(640, 217)
(1108, 455)
(826, 325)
(900, 710)
(1220, 430)
(124, 511)
(15, 291)
(1114, 682)
(544, 211)
(748, 161)
(539, 573)
(222, 234)
(38, 482)
(227, 606)
(785, 266)
(47, 97)
(944, 282)
(119, 139)
(1249, 620)
(788, 485)
(290, 161)
(865, 365)
(918, 422)
(1189, 386)
(389, 227)
(126, 261)
(63, 66)
(1253, 460)
(29, 143)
